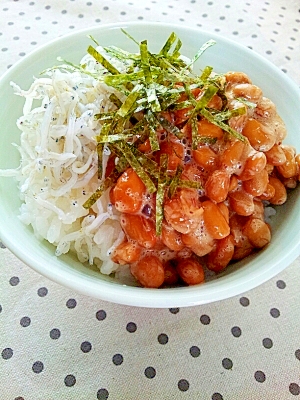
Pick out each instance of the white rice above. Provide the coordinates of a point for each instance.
(59, 165)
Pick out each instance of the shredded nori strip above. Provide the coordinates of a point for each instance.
(135, 164)
(169, 127)
(206, 73)
(167, 46)
(246, 102)
(93, 39)
(129, 36)
(226, 115)
(102, 138)
(194, 124)
(145, 62)
(108, 182)
(100, 156)
(114, 99)
(202, 49)
(206, 114)
(174, 181)
(205, 140)
(105, 116)
(160, 195)
(102, 60)
(152, 126)
(208, 94)
(189, 184)
(127, 107)
(117, 81)
(150, 166)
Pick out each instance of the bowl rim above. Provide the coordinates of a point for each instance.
(136, 296)
(132, 24)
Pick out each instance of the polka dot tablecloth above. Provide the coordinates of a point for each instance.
(57, 344)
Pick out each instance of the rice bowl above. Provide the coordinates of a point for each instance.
(66, 269)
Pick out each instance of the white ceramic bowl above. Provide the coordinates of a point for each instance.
(67, 270)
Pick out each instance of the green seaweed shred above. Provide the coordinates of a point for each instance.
(152, 126)
(102, 60)
(69, 66)
(150, 166)
(106, 138)
(246, 102)
(225, 115)
(114, 99)
(108, 182)
(167, 46)
(100, 156)
(145, 62)
(189, 184)
(169, 127)
(175, 181)
(117, 81)
(129, 36)
(206, 114)
(120, 54)
(93, 39)
(160, 195)
(208, 94)
(135, 164)
(199, 53)
(205, 140)
(105, 116)
(178, 46)
(194, 126)
(206, 73)
(127, 107)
